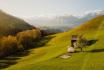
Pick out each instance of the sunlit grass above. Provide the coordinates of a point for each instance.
(46, 57)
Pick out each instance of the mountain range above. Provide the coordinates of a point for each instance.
(62, 23)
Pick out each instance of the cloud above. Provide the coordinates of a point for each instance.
(93, 11)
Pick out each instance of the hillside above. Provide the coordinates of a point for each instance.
(46, 57)
(11, 25)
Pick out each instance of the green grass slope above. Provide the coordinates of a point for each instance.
(46, 57)
(11, 25)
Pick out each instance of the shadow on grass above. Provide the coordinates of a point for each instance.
(96, 50)
(13, 59)
(91, 42)
(43, 41)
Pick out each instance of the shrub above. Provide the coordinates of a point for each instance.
(23, 40)
(28, 38)
(8, 45)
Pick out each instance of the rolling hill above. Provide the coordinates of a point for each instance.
(47, 56)
(11, 25)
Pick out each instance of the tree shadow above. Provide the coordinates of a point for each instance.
(96, 50)
(43, 41)
(5, 62)
(12, 59)
(91, 42)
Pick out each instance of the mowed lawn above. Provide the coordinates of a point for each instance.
(47, 56)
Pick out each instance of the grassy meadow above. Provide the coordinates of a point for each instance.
(46, 57)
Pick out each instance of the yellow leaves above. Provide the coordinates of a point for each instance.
(28, 37)
(23, 40)
(8, 45)
(29, 34)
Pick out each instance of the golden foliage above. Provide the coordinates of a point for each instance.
(8, 45)
(28, 37)
(23, 40)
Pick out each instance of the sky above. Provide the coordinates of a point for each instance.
(32, 8)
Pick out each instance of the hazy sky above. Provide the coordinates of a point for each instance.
(32, 8)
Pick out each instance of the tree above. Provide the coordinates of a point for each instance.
(28, 38)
